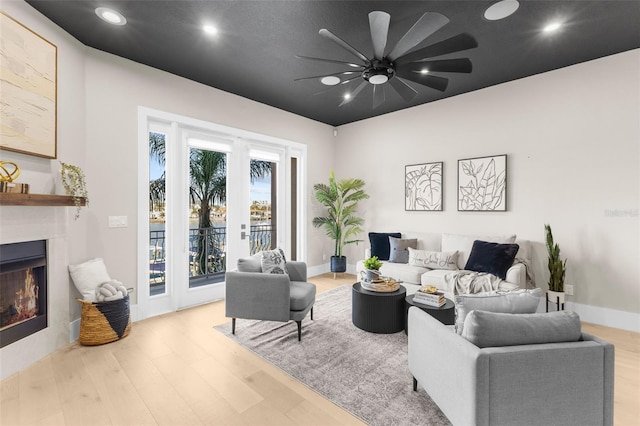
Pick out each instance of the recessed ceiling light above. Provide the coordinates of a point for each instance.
(330, 80)
(501, 9)
(347, 96)
(554, 26)
(424, 71)
(210, 29)
(111, 16)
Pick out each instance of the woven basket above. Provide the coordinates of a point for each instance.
(104, 322)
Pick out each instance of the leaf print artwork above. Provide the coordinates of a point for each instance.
(482, 184)
(423, 187)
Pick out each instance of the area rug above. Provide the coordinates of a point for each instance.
(365, 373)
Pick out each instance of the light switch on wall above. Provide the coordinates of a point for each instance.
(118, 222)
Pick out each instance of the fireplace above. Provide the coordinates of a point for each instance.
(23, 290)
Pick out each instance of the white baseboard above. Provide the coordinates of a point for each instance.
(326, 268)
(74, 326)
(605, 316)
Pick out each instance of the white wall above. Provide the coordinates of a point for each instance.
(571, 137)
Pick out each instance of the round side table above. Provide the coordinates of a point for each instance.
(446, 313)
(378, 312)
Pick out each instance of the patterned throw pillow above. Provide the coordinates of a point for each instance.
(433, 259)
(273, 262)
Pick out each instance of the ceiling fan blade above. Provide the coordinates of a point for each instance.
(332, 61)
(379, 26)
(461, 65)
(453, 44)
(327, 75)
(428, 24)
(433, 81)
(378, 95)
(340, 42)
(407, 92)
(354, 94)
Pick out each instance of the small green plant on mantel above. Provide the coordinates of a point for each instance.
(74, 183)
(372, 263)
(557, 267)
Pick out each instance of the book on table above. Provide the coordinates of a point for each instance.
(431, 303)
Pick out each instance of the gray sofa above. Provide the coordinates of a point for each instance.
(561, 383)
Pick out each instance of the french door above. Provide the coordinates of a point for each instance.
(213, 198)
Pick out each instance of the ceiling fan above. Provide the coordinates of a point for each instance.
(398, 65)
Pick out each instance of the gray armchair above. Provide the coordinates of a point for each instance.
(251, 294)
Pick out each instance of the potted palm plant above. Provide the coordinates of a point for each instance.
(557, 271)
(341, 198)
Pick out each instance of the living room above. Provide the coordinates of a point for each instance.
(570, 135)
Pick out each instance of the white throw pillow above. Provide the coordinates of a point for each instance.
(88, 276)
(273, 262)
(513, 302)
(433, 259)
(464, 243)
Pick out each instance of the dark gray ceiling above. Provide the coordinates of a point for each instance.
(254, 53)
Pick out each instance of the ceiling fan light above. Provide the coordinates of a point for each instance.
(330, 80)
(553, 26)
(111, 16)
(378, 79)
(501, 10)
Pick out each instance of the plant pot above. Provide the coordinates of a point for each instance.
(338, 264)
(372, 274)
(557, 298)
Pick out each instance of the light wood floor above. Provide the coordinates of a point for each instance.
(175, 370)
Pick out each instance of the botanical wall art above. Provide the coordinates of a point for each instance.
(482, 184)
(28, 80)
(423, 187)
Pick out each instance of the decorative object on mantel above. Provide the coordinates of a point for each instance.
(73, 180)
(482, 184)
(29, 90)
(7, 178)
(557, 271)
(340, 198)
(423, 187)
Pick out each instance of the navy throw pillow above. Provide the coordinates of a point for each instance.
(380, 243)
(493, 258)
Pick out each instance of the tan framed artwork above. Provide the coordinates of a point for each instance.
(28, 88)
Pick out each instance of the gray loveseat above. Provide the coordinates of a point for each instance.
(562, 383)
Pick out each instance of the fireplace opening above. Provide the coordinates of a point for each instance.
(23, 290)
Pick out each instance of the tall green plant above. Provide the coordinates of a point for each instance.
(557, 267)
(341, 199)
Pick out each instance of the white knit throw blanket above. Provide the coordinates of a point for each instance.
(470, 282)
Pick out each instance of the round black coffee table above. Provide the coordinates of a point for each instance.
(378, 312)
(446, 313)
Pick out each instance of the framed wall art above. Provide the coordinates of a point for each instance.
(28, 88)
(482, 184)
(423, 187)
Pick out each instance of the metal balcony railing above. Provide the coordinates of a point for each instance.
(207, 254)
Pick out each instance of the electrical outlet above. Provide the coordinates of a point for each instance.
(118, 222)
(324, 257)
(568, 289)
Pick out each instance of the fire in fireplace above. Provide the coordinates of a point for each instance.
(23, 290)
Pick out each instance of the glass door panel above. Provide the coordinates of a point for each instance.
(157, 209)
(208, 216)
